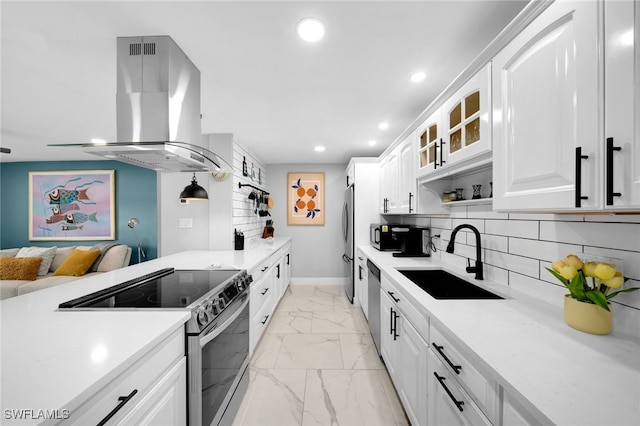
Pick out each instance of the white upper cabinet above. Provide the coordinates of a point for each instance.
(429, 139)
(398, 179)
(467, 120)
(566, 128)
(622, 105)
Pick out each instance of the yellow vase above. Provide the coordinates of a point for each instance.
(586, 317)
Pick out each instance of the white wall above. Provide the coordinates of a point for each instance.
(316, 250)
(516, 248)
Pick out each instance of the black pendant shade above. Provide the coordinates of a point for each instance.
(193, 191)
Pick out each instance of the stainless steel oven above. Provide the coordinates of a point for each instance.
(217, 333)
(218, 358)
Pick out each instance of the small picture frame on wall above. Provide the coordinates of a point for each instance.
(72, 205)
(305, 198)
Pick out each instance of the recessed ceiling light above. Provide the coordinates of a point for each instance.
(372, 142)
(383, 126)
(310, 29)
(319, 148)
(418, 76)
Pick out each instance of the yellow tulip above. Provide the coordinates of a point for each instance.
(616, 281)
(574, 261)
(605, 271)
(589, 269)
(567, 271)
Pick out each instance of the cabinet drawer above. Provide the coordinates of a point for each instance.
(260, 320)
(403, 303)
(139, 377)
(481, 389)
(448, 402)
(259, 270)
(260, 293)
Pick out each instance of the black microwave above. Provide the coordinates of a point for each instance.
(380, 237)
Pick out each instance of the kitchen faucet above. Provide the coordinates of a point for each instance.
(478, 268)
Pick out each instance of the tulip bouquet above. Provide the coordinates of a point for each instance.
(573, 273)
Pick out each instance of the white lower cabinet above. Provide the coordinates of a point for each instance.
(152, 391)
(449, 404)
(362, 283)
(404, 352)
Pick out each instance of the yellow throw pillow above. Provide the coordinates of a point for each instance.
(77, 263)
(19, 268)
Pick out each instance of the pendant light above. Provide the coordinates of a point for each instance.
(193, 191)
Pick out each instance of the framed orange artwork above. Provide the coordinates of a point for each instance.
(305, 198)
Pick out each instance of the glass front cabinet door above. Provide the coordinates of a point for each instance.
(466, 117)
(431, 157)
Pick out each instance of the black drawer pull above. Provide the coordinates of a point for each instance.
(123, 400)
(456, 368)
(441, 379)
(264, 321)
(264, 269)
(391, 293)
(265, 291)
(610, 150)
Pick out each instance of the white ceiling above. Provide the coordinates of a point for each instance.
(280, 96)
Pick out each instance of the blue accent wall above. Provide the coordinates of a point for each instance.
(136, 196)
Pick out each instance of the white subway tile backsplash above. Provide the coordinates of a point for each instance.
(513, 228)
(623, 236)
(478, 223)
(443, 223)
(547, 217)
(544, 250)
(542, 290)
(484, 212)
(618, 218)
(522, 265)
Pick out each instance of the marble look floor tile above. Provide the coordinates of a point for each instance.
(275, 397)
(345, 397)
(336, 322)
(314, 303)
(310, 351)
(359, 352)
(302, 290)
(285, 322)
(396, 406)
(329, 290)
(267, 350)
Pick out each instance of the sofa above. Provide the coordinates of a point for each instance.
(38, 268)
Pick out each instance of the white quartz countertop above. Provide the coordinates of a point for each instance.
(570, 377)
(54, 360)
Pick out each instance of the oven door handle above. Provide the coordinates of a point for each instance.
(215, 332)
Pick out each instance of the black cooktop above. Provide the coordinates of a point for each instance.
(167, 288)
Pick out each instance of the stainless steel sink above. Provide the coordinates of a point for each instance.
(443, 285)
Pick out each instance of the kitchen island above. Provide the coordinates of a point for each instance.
(533, 360)
(52, 362)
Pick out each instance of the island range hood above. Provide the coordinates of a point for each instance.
(158, 110)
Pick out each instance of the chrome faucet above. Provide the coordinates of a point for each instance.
(470, 269)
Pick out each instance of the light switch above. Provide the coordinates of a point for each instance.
(185, 222)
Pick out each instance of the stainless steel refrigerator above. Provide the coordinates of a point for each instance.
(347, 236)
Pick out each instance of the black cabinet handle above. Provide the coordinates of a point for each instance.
(610, 149)
(435, 155)
(410, 197)
(393, 297)
(360, 272)
(123, 400)
(264, 269)
(441, 379)
(440, 350)
(288, 258)
(264, 320)
(579, 158)
(441, 149)
(278, 271)
(265, 291)
(393, 319)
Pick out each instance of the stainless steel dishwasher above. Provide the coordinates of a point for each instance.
(374, 302)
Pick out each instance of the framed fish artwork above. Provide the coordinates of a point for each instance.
(72, 205)
(305, 198)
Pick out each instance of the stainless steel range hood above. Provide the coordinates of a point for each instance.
(158, 110)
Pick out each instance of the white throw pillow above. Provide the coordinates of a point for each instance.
(113, 258)
(46, 253)
(9, 252)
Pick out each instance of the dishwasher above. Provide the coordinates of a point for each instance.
(373, 298)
